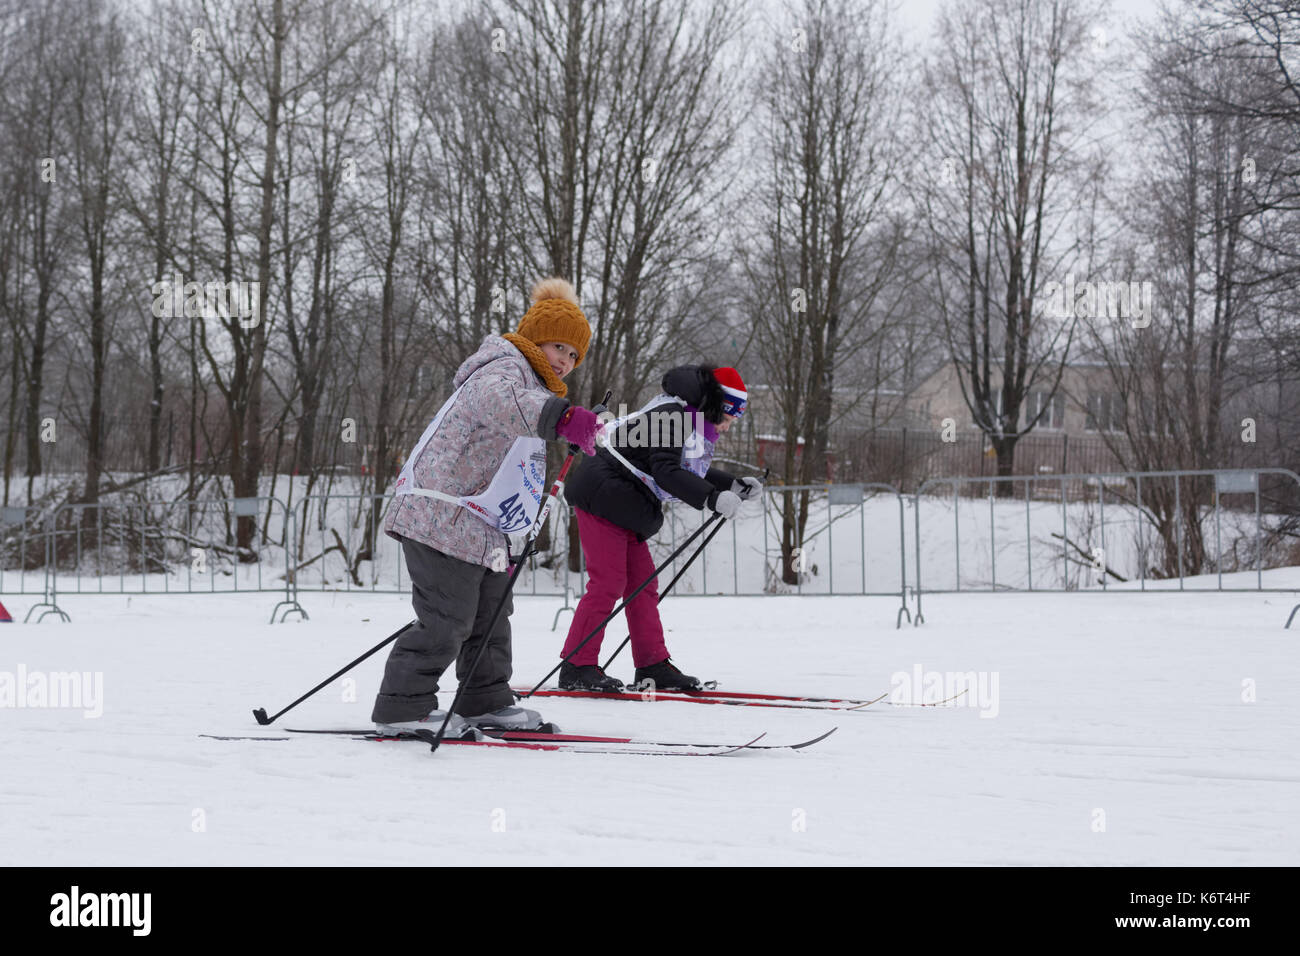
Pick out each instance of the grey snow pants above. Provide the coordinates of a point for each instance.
(454, 601)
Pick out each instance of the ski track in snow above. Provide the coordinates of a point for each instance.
(1130, 707)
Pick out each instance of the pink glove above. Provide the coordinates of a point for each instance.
(579, 427)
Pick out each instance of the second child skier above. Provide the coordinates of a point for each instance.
(618, 498)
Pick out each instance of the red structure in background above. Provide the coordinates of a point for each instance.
(771, 454)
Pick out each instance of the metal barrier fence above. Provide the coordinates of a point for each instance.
(1157, 526)
(27, 547)
(335, 542)
(853, 541)
(341, 545)
(148, 547)
(29, 551)
(852, 500)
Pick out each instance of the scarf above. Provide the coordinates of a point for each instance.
(538, 361)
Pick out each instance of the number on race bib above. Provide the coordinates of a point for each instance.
(513, 514)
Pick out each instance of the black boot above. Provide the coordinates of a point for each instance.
(589, 677)
(665, 676)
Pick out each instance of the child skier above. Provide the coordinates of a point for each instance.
(478, 474)
(617, 497)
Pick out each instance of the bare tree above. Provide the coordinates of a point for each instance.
(391, 351)
(99, 95)
(1204, 235)
(1261, 39)
(251, 47)
(316, 218)
(402, 345)
(826, 242)
(614, 120)
(158, 107)
(1010, 99)
(39, 125)
(468, 199)
(13, 237)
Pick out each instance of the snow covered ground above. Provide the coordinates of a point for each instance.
(1133, 729)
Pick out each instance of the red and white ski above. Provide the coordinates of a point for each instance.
(731, 698)
(571, 743)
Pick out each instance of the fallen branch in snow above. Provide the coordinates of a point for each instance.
(111, 487)
(338, 546)
(1089, 560)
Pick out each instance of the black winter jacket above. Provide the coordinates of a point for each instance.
(602, 486)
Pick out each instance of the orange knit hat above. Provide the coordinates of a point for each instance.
(555, 316)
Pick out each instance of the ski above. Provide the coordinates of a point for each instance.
(738, 695)
(933, 703)
(534, 736)
(843, 703)
(554, 746)
(733, 699)
(648, 748)
(642, 748)
(738, 698)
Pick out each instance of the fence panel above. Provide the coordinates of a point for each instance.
(24, 545)
(170, 547)
(1189, 530)
(342, 546)
(1126, 531)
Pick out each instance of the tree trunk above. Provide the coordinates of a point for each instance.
(251, 439)
(34, 382)
(1006, 449)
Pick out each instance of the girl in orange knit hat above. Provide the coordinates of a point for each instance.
(477, 475)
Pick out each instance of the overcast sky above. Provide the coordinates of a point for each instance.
(918, 16)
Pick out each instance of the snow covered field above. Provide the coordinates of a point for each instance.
(1119, 730)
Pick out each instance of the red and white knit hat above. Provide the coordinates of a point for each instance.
(734, 396)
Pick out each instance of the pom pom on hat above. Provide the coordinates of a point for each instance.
(556, 316)
(554, 288)
(734, 396)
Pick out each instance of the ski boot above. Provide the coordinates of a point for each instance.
(588, 677)
(458, 728)
(511, 718)
(664, 676)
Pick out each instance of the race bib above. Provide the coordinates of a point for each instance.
(514, 497)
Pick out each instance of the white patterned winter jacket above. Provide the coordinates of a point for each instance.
(503, 399)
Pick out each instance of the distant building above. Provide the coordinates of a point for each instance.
(770, 452)
(1085, 405)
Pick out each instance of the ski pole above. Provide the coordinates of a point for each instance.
(626, 601)
(677, 577)
(556, 488)
(260, 712)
